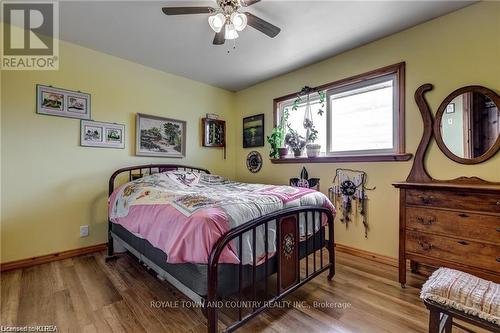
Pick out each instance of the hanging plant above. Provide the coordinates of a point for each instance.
(307, 91)
(313, 150)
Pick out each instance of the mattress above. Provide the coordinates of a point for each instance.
(194, 276)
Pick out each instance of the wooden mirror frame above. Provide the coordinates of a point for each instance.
(437, 125)
(418, 172)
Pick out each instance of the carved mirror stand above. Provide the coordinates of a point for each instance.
(487, 148)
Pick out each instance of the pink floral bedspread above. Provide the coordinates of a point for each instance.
(185, 213)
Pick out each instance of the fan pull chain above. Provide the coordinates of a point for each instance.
(234, 46)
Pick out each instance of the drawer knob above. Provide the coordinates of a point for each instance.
(425, 246)
(463, 242)
(463, 215)
(498, 259)
(498, 229)
(426, 199)
(424, 221)
(498, 203)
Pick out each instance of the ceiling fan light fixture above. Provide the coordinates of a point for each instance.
(231, 32)
(239, 21)
(216, 22)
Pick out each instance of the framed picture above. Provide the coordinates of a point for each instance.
(161, 137)
(61, 102)
(253, 131)
(450, 108)
(100, 134)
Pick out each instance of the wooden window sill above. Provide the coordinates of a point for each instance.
(341, 159)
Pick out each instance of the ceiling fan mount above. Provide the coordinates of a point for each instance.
(227, 19)
(229, 6)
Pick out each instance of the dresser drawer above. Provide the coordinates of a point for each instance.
(454, 200)
(480, 255)
(455, 223)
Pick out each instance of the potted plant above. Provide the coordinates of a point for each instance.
(295, 141)
(277, 138)
(312, 149)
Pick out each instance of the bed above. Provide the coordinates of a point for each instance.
(214, 239)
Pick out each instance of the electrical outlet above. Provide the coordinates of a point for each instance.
(84, 230)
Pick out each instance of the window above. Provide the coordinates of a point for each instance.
(363, 118)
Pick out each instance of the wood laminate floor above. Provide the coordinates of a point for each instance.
(85, 294)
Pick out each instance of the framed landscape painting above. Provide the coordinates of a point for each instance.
(100, 134)
(61, 102)
(161, 137)
(253, 131)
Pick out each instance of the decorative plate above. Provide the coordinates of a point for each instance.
(254, 161)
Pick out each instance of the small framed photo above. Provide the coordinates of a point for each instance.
(253, 131)
(62, 102)
(101, 134)
(450, 108)
(159, 136)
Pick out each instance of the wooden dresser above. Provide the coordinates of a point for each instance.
(450, 224)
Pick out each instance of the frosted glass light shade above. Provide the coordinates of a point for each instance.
(216, 22)
(231, 32)
(239, 21)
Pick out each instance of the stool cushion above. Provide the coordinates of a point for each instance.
(464, 292)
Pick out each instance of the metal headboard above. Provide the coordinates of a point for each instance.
(150, 169)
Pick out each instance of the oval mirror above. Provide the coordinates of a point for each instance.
(467, 125)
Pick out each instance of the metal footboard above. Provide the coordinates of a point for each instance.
(289, 275)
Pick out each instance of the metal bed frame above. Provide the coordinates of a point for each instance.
(289, 276)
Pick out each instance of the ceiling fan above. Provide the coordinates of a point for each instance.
(227, 19)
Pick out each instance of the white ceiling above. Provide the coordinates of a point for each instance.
(182, 45)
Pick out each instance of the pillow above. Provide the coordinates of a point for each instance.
(213, 180)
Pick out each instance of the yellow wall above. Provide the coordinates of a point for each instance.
(51, 185)
(458, 49)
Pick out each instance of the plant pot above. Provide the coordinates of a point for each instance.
(313, 150)
(283, 152)
(297, 152)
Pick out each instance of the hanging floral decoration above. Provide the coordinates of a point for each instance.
(349, 185)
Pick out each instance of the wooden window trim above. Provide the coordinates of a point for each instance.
(399, 71)
(345, 158)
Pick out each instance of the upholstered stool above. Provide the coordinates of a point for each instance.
(449, 294)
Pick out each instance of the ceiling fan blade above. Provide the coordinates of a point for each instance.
(187, 10)
(263, 26)
(220, 37)
(246, 3)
